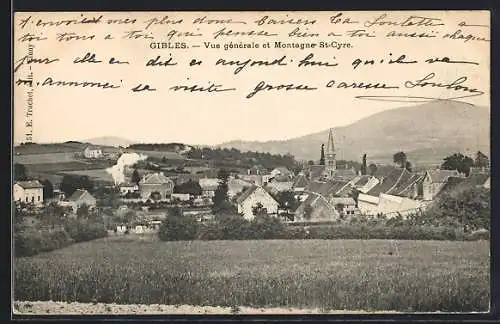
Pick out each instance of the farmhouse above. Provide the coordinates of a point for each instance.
(389, 205)
(126, 188)
(208, 186)
(252, 197)
(278, 186)
(434, 180)
(156, 186)
(29, 192)
(92, 152)
(282, 173)
(236, 186)
(300, 183)
(81, 197)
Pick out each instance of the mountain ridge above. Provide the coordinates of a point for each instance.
(442, 127)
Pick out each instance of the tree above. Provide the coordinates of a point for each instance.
(322, 158)
(481, 160)
(220, 195)
(354, 194)
(48, 189)
(70, 183)
(177, 227)
(190, 187)
(155, 195)
(287, 201)
(308, 211)
(258, 210)
(469, 206)
(310, 162)
(136, 177)
(363, 165)
(20, 172)
(400, 159)
(373, 169)
(408, 166)
(458, 162)
(83, 212)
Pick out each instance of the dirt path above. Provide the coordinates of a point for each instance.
(63, 308)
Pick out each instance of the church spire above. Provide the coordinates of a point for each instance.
(331, 163)
(330, 148)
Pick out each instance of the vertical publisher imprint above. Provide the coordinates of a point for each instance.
(29, 99)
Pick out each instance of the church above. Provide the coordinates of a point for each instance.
(329, 170)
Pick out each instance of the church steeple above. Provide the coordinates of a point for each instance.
(330, 161)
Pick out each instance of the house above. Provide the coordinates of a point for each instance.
(300, 183)
(257, 170)
(59, 195)
(81, 197)
(126, 188)
(316, 208)
(279, 186)
(253, 196)
(389, 205)
(29, 192)
(181, 196)
(156, 184)
(434, 180)
(236, 186)
(345, 205)
(281, 172)
(92, 152)
(208, 186)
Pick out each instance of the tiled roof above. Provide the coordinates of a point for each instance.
(155, 178)
(209, 183)
(362, 180)
(322, 209)
(300, 182)
(346, 201)
(440, 176)
(78, 194)
(30, 184)
(246, 194)
(316, 171)
(387, 182)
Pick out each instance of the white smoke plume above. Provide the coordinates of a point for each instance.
(117, 171)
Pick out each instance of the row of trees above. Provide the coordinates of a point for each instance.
(268, 160)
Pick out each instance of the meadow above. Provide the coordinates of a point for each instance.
(365, 275)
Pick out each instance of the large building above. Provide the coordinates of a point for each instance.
(251, 197)
(156, 186)
(29, 192)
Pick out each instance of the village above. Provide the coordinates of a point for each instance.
(321, 192)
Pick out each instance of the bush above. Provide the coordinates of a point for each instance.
(33, 242)
(85, 230)
(176, 227)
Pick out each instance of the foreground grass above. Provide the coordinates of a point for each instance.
(342, 274)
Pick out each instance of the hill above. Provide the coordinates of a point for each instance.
(426, 132)
(109, 141)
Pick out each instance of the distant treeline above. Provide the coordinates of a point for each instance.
(168, 147)
(267, 160)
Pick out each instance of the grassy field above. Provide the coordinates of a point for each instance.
(46, 158)
(97, 174)
(340, 274)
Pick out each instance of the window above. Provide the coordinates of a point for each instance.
(33, 199)
(26, 199)
(38, 198)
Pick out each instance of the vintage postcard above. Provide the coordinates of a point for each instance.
(251, 162)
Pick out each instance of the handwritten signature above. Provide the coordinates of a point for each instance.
(458, 86)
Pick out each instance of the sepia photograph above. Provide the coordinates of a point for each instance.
(326, 162)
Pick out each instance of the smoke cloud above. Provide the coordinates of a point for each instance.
(117, 171)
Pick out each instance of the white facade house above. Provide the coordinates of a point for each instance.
(251, 197)
(92, 153)
(28, 192)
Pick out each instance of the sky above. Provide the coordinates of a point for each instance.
(75, 113)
